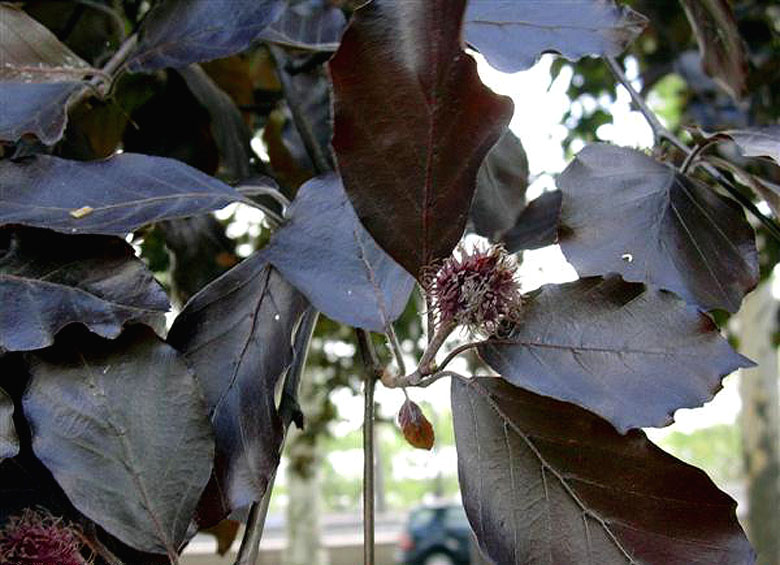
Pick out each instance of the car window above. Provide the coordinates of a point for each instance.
(420, 518)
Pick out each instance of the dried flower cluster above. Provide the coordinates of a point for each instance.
(36, 538)
(478, 290)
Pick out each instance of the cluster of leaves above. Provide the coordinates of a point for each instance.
(138, 434)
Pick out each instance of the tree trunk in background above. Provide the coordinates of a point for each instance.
(760, 422)
(304, 509)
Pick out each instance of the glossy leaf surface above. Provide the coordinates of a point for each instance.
(757, 142)
(311, 25)
(122, 426)
(38, 75)
(48, 281)
(237, 335)
(512, 34)
(631, 354)
(537, 225)
(9, 441)
(111, 197)
(412, 125)
(502, 180)
(623, 212)
(176, 33)
(723, 53)
(546, 482)
(328, 255)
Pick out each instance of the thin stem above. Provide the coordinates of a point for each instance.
(373, 370)
(457, 351)
(395, 347)
(313, 148)
(693, 155)
(112, 66)
(255, 524)
(660, 132)
(97, 547)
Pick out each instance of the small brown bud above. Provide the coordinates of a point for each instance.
(415, 426)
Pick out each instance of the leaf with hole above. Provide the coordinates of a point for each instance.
(38, 76)
(502, 180)
(411, 125)
(110, 197)
(624, 212)
(547, 482)
(237, 335)
(176, 33)
(49, 280)
(9, 441)
(122, 426)
(327, 254)
(537, 225)
(512, 34)
(723, 52)
(631, 354)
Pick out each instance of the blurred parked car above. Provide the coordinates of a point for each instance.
(436, 535)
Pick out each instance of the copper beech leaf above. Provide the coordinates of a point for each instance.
(122, 426)
(502, 180)
(110, 197)
(9, 441)
(176, 33)
(329, 256)
(537, 225)
(624, 212)
(512, 34)
(38, 76)
(629, 353)
(309, 25)
(757, 142)
(415, 426)
(547, 482)
(723, 52)
(236, 333)
(49, 280)
(412, 124)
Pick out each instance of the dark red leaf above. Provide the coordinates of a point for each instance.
(547, 482)
(412, 125)
(631, 354)
(122, 426)
(722, 50)
(329, 256)
(415, 426)
(624, 212)
(49, 280)
(237, 335)
(513, 34)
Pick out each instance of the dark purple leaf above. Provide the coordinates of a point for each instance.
(9, 441)
(412, 125)
(237, 335)
(111, 197)
(49, 280)
(722, 50)
(512, 34)
(502, 180)
(176, 33)
(537, 225)
(623, 212)
(38, 75)
(228, 127)
(311, 25)
(547, 482)
(631, 354)
(757, 142)
(122, 426)
(328, 255)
